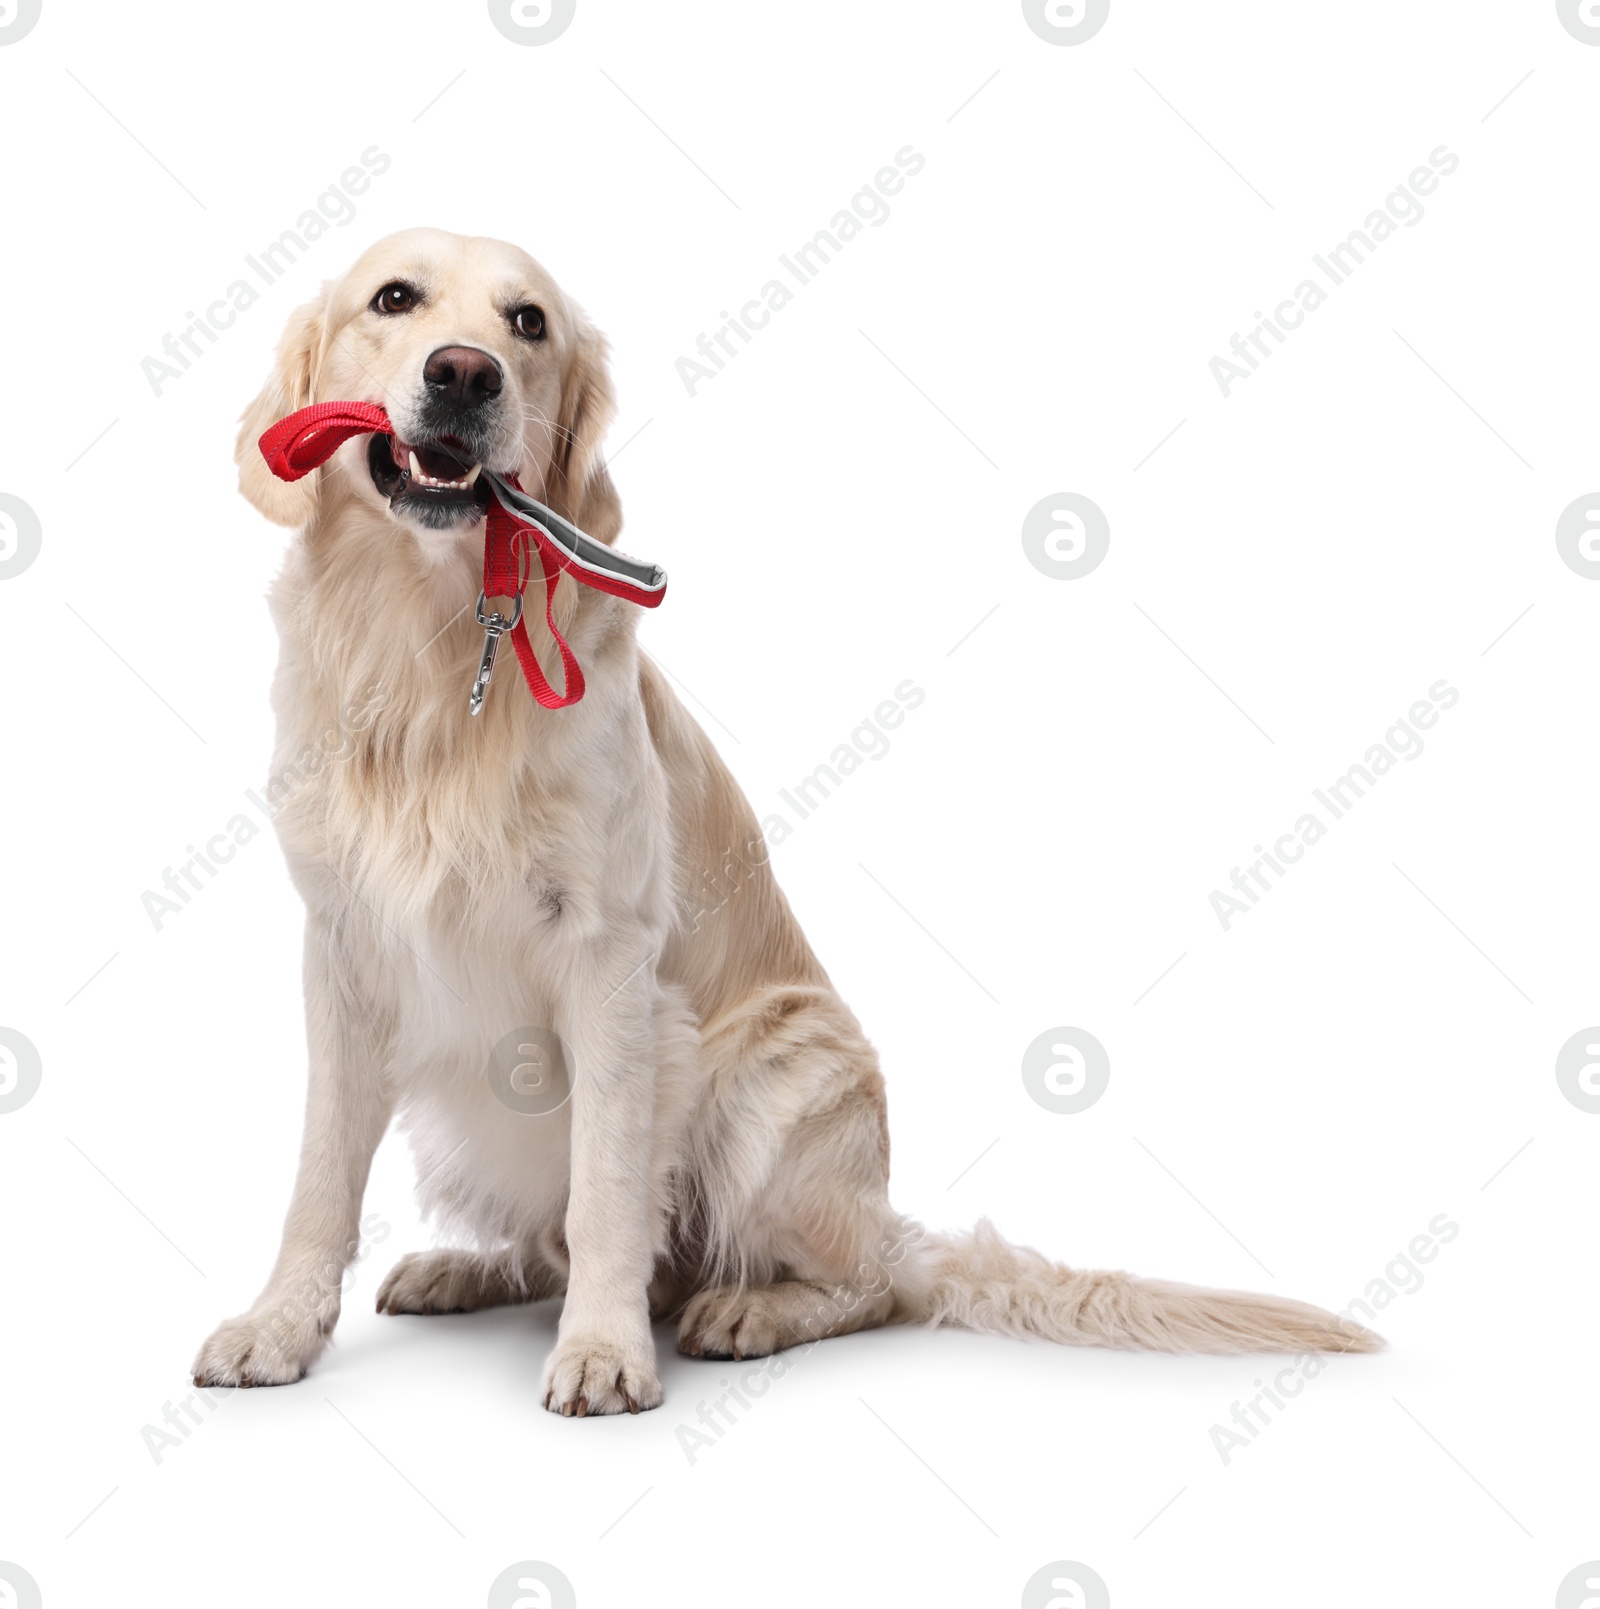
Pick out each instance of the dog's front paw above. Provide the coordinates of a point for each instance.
(260, 1350)
(586, 1376)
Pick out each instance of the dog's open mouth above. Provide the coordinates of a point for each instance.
(437, 481)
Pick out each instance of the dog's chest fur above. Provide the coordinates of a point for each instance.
(484, 860)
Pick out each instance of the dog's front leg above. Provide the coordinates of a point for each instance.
(604, 1359)
(347, 1111)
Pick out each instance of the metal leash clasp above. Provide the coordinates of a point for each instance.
(495, 626)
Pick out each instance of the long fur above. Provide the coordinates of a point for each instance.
(723, 1156)
(979, 1281)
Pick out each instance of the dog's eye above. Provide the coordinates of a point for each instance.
(395, 298)
(528, 322)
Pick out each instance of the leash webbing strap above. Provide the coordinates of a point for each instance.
(517, 524)
(506, 555)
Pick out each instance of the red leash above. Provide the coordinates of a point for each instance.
(516, 525)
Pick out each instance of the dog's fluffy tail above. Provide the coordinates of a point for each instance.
(978, 1281)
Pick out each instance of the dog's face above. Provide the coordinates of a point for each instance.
(480, 363)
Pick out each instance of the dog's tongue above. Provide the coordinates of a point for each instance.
(435, 460)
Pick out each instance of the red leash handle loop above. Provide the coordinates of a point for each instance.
(299, 444)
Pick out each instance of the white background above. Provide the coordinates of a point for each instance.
(839, 509)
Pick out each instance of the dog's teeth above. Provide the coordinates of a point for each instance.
(437, 484)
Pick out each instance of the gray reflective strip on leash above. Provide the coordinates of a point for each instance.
(583, 551)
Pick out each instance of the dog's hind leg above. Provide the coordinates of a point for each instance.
(795, 1162)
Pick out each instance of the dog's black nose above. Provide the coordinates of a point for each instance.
(462, 375)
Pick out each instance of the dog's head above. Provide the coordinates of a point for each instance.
(479, 361)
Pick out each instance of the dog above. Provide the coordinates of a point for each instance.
(705, 1134)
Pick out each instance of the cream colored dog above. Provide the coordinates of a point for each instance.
(538, 876)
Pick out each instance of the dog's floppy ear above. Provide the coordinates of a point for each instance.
(288, 388)
(580, 485)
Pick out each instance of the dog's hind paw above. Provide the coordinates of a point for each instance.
(447, 1281)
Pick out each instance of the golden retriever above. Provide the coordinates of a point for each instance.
(697, 1127)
